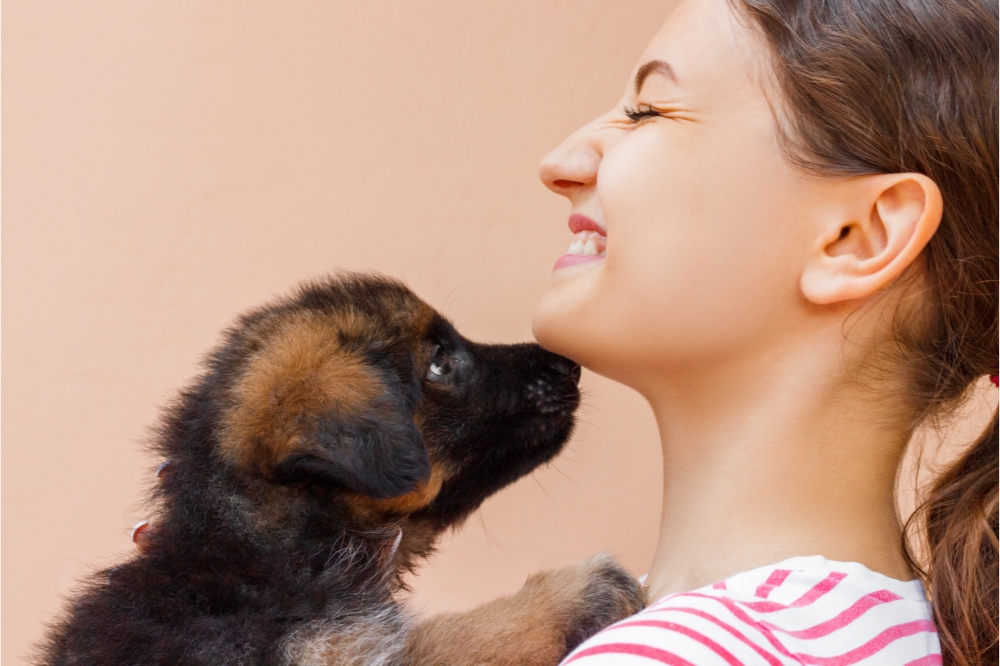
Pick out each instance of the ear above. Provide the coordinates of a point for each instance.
(306, 410)
(885, 222)
(379, 453)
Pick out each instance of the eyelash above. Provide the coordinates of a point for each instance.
(635, 115)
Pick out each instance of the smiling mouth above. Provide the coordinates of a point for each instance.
(590, 242)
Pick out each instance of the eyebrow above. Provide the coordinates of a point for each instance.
(660, 66)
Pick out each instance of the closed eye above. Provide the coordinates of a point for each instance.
(642, 111)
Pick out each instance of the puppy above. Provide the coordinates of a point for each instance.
(330, 440)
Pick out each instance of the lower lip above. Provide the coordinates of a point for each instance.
(568, 260)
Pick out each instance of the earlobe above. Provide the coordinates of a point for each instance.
(865, 247)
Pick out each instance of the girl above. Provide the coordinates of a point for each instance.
(786, 241)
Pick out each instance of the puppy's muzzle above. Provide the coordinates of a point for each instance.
(556, 390)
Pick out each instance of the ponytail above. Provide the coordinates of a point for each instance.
(962, 577)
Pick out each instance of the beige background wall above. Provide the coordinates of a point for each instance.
(168, 164)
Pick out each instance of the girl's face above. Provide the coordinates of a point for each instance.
(704, 228)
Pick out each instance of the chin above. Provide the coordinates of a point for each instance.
(546, 331)
(565, 323)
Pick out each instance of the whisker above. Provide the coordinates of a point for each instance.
(535, 477)
(569, 478)
(490, 537)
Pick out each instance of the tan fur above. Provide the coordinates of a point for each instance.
(420, 319)
(302, 371)
(526, 629)
(422, 495)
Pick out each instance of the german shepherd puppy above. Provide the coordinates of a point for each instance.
(331, 438)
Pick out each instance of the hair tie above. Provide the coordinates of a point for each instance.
(995, 379)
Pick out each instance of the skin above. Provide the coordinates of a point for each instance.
(739, 297)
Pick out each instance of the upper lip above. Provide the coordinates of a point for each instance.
(579, 222)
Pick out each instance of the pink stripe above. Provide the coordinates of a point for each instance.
(871, 647)
(771, 659)
(721, 585)
(929, 660)
(776, 578)
(686, 631)
(741, 615)
(860, 607)
(634, 649)
(817, 591)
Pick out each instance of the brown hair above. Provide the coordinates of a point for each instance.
(892, 86)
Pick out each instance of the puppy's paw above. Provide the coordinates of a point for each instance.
(583, 598)
(553, 613)
(608, 593)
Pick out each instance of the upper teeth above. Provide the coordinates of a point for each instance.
(588, 243)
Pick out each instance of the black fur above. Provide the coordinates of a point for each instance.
(240, 558)
(379, 457)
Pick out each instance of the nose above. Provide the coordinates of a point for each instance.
(572, 167)
(566, 368)
(552, 388)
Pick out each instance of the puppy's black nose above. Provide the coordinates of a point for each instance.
(567, 368)
(552, 382)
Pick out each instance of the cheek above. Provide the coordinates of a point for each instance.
(698, 262)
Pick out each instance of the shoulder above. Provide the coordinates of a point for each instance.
(804, 610)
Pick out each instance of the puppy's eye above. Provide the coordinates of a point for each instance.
(440, 366)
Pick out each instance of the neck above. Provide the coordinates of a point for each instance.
(773, 457)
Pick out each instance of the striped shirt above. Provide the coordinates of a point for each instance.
(802, 611)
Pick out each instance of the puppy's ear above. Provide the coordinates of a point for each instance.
(379, 453)
(307, 409)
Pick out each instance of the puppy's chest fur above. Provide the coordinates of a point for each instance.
(374, 639)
